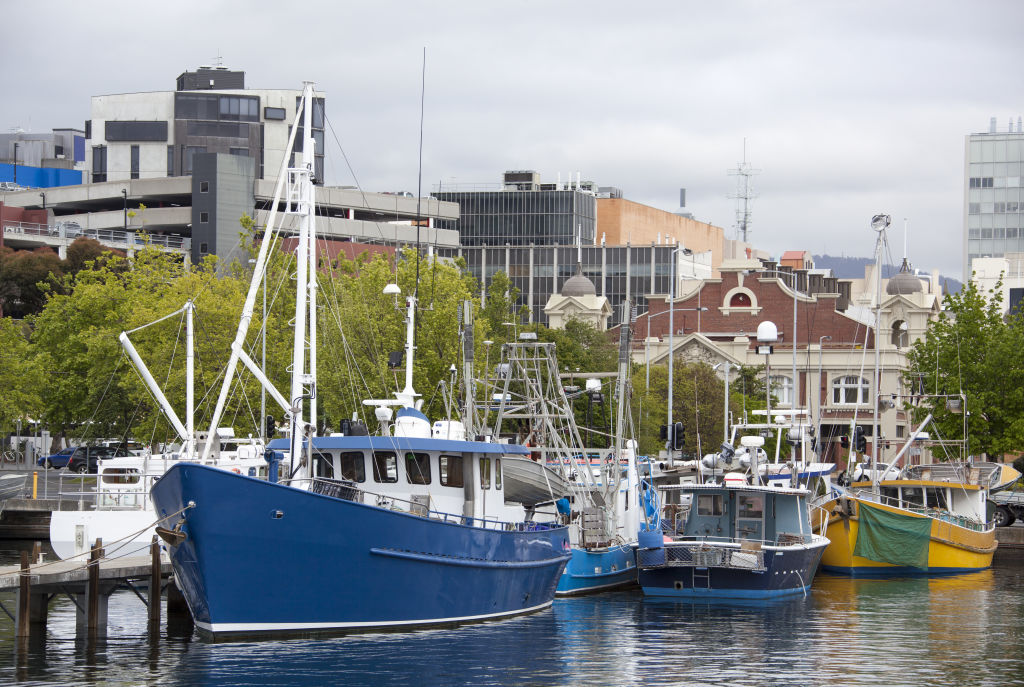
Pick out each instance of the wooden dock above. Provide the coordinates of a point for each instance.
(89, 584)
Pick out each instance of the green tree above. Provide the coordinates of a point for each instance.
(500, 309)
(25, 277)
(972, 349)
(20, 376)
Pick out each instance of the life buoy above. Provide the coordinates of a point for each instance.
(236, 471)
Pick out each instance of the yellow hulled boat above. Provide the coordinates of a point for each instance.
(909, 527)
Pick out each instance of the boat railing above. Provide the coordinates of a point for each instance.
(415, 505)
(705, 553)
(940, 514)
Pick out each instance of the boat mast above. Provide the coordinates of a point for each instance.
(878, 223)
(303, 384)
(614, 479)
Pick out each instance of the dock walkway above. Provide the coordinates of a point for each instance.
(89, 584)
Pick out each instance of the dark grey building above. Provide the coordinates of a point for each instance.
(539, 271)
(524, 211)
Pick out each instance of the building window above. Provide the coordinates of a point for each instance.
(273, 113)
(974, 208)
(204, 186)
(190, 153)
(204, 248)
(900, 334)
(739, 300)
(99, 163)
(782, 388)
(136, 131)
(170, 161)
(850, 390)
(981, 182)
(135, 162)
(204, 217)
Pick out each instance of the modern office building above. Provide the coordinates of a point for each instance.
(993, 204)
(159, 134)
(540, 271)
(521, 210)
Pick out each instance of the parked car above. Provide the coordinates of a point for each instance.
(59, 459)
(82, 458)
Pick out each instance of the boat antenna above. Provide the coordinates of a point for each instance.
(419, 171)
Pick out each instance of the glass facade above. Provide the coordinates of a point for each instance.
(539, 271)
(994, 168)
(519, 218)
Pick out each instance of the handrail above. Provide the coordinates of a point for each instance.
(357, 494)
(942, 514)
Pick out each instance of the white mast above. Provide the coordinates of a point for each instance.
(301, 182)
(878, 223)
(238, 345)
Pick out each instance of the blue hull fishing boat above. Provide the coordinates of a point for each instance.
(407, 529)
(344, 564)
(592, 570)
(736, 540)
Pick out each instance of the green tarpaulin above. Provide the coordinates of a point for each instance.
(893, 538)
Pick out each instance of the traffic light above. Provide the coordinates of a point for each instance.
(663, 433)
(844, 441)
(271, 426)
(678, 436)
(860, 441)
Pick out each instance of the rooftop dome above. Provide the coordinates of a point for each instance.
(579, 285)
(904, 282)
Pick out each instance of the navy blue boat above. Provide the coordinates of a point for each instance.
(736, 541)
(256, 557)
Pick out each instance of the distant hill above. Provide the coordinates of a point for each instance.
(853, 268)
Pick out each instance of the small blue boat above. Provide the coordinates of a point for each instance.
(735, 540)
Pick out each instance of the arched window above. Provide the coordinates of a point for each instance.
(739, 300)
(900, 332)
(782, 389)
(850, 390)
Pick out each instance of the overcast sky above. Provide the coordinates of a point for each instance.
(848, 108)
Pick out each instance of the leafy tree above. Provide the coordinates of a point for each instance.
(697, 398)
(500, 309)
(24, 279)
(972, 349)
(20, 376)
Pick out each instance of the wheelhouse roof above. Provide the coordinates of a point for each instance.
(375, 443)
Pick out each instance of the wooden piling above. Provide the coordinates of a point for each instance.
(154, 585)
(92, 592)
(24, 592)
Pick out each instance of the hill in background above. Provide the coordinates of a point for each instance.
(853, 268)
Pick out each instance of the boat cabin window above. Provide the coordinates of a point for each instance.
(709, 504)
(497, 473)
(913, 495)
(385, 467)
(485, 473)
(451, 471)
(751, 505)
(353, 466)
(936, 498)
(120, 476)
(323, 465)
(890, 492)
(417, 468)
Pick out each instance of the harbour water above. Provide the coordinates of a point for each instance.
(957, 630)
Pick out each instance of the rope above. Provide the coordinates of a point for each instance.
(116, 544)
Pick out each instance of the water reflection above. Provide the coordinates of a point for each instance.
(962, 630)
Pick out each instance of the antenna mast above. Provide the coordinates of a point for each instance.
(744, 194)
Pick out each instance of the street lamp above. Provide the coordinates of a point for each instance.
(817, 435)
(124, 192)
(727, 365)
(43, 195)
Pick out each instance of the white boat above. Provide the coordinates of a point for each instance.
(123, 516)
